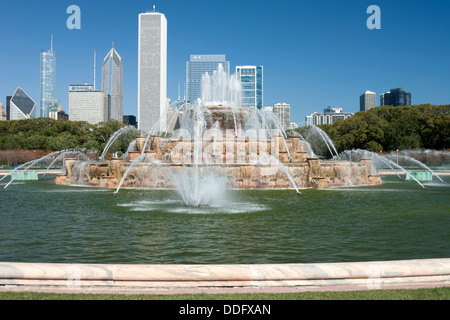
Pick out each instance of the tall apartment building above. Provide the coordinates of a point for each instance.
(395, 97)
(251, 78)
(21, 106)
(197, 66)
(112, 84)
(283, 112)
(48, 101)
(2, 112)
(152, 70)
(329, 116)
(367, 101)
(87, 104)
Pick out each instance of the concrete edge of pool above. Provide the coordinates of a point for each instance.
(239, 278)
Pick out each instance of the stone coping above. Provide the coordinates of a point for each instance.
(112, 277)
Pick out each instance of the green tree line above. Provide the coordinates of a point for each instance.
(54, 135)
(390, 128)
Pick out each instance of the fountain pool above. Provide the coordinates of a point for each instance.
(44, 222)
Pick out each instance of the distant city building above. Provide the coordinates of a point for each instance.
(283, 112)
(87, 104)
(2, 112)
(130, 120)
(395, 97)
(21, 106)
(197, 66)
(59, 114)
(367, 101)
(267, 109)
(152, 70)
(48, 101)
(251, 78)
(8, 107)
(329, 116)
(112, 84)
(293, 125)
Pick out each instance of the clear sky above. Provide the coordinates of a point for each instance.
(315, 53)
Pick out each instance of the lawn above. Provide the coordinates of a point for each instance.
(410, 294)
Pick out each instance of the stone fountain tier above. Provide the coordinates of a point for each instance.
(239, 160)
(308, 174)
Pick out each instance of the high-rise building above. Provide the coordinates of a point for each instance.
(251, 78)
(8, 107)
(130, 120)
(58, 114)
(198, 65)
(48, 101)
(87, 104)
(112, 84)
(367, 100)
(21, 106)
(152, 70)
(283, 112)
(2, 112)
(395, 97)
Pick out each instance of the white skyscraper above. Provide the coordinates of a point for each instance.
(112, 84)
(152, 71)
(367, 100)
(283, 112)
(87, 104)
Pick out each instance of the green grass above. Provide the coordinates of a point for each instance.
(410, 294)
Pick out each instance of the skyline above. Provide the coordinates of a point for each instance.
(314, 55)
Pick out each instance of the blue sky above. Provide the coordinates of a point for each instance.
(314, 53)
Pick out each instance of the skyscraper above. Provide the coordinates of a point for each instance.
(8, 107)
(87, 104)
(251, 78)
(396, 97)
(2, 112)
(152, 70)
(367, 100)
(112, 84)
(283, 112)
(196, 67)
(48, 82)
(21, 106)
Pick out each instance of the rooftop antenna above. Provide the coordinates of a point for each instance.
(94, 69)
(178, 91)
(51, 43)
(154, 8)
(113, 45)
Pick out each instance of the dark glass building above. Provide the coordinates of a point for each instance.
(130, 120)
(8, 107)
(396, 97)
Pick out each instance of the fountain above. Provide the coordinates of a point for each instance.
(217, 145)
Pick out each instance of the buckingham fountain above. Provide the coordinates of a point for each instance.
(82, 239)
(215, 144)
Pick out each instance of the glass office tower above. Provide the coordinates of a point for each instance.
(152, 71)
(112, 84)
(251, 78)
(48, 83)
(396, 97)
(21, 106)
(196, 67)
